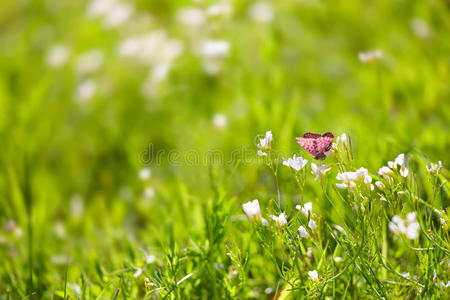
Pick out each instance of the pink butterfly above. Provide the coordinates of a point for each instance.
(316, 144)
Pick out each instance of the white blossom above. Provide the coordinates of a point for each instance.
(369, 56)
(313, 275)
(409, 227)
(86, 90)
(420, 28)
(89, 61)
(379, 185)
(145, 173)
(306, 209)
(434, 169)
(191, 17)
(220, 121)
(261, 12)
(302, 231)
(319, 171)
(265, 143)
(57, 56)
(280, 220)
(296, 163)
(252, 210)
(312, 225)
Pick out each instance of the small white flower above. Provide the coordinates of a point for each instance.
(191, 17)
(313, 275)
(409, 228)
(385, 171)
(379, 185)
(138, 272)
(145, 173)
(215, 48)
(264, 222)
(265, 143)
(252, 210)
(261, 12)
(220, 9)
(369, 56)
(444, 285)
(302, 231)
(149, 193)
(420, 28)
(434, 169)
(342, 139)
(150, 258)
(306, 209)
(319, 171)
(86, 90)
(89, 61)
(220, 121)
(338, 259)
(280, 220)
(57, 56)
(296, 163)
(312, 224)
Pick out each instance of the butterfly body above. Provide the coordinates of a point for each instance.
(316, 144)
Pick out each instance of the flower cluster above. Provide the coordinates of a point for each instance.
(434, 169)
(399, 164)
(409, 227)
(369, 56)
(296, 163)
(265, 144)
(350, 179)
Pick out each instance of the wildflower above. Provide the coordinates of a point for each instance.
(220, 9)
(302, 231)
(306, 209)
(57, 56)
(369, 56)
(86, 90)
(191, 17)
(252, 210)
(138, 272)
(314, 275)
(280, 220)
(220, 121)
(149, 193)
(434, 169)
(379, 185)
(145, 173)
(89, 61)
(114, 13)
(76, 206)
(338, 259)
(312, 224)
(420, 28)
(264, 222)
(350, 179)
(296, 163)
(342, 139)
(261, 12)
(319, 171)
(265, 143)
(408, 227)
(150, 258)
(444, 285)
(385, 171)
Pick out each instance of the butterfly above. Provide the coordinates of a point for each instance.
(316, 144)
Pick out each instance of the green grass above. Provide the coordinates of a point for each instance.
(75, 220)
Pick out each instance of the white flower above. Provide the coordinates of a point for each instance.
(296, 163)
(312, 225)
(117, 15)
(369, 56)
(145, 173)
(306, 209)
(57, 56)
(434, 169)
(338, 227)
(89, 61)
(444, 285)
(192, 17)
(252, 210)
(409, 228)
(319, 171)
(261, 12)
(280, 220)
(220, 9)
(338, 259)
(264, 222)
(420, 28)
(314, 275)
(86, 90)
(342, 139)
(265, 143)
(385, 171)
(302, 231)
(379, 185)
(214, 49)
(76, 205)
(138, 272)
(220, 121)
(149, 193)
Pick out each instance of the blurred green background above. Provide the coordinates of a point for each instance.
(87, 87)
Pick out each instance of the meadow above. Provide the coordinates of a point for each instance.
(149, 149)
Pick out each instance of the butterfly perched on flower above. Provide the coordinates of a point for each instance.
(316, 144)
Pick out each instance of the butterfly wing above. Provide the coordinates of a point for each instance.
(316, 144)
(308, 144)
